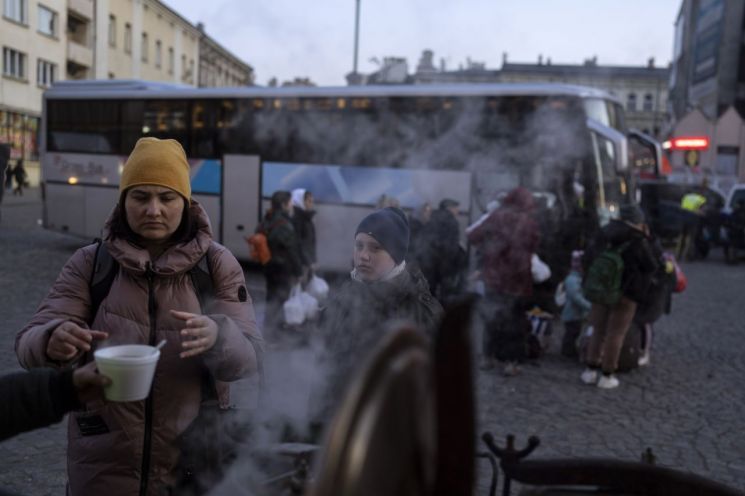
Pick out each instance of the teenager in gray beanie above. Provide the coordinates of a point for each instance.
(381, 289)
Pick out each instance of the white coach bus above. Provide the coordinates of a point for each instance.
(348, 146)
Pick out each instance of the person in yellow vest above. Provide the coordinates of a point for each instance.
(692, 205)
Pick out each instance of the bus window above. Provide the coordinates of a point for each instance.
(166, 119)
(605, 112)
(205, 123)
(610, 194)
(87, 126)
(131, 124)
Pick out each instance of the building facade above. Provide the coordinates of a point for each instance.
(48, 40)
(144, 39)
(708, 70)
(642, 89)
(218, 67)
(707, 91)
(33, 41)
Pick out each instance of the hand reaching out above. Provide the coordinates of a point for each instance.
(89, 383)
(69, 340)
(200, 333)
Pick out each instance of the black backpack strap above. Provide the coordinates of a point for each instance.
(105, 269)
(201, 279)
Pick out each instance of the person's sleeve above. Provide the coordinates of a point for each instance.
(239, 346)
(301, 233)
(574, 293)
(67, 300)
(34, 399)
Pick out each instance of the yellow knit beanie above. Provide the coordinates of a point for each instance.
(157, 162)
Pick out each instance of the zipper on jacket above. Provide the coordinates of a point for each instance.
(147, 441)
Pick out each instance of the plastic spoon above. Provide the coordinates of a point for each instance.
(160, 345)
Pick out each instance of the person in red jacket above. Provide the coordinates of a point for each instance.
(507, 239)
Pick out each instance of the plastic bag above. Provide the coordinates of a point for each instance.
(318, 288)
(541, 272)
(309, 305)
(560, 296)
(294, 307)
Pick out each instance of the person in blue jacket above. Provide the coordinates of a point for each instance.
(576, 309)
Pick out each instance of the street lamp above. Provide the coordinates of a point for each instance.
(356, 35)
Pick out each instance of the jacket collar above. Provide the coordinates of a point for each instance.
(176, 259)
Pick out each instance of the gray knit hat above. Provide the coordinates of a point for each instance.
(390, 228)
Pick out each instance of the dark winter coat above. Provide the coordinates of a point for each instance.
(658, 300)
(283, 244)
(34, 399)
(639, 260)
(302, 221)
(507, 239)
(356, 317)
(439, 253)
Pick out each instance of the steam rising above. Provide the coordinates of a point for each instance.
(535, 142)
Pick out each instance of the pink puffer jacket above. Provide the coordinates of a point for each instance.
(109, 458)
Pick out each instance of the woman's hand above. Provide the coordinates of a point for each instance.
(199, 335)
(69, 339)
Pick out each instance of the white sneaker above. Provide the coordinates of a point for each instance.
(644, 360)
(589, 376)
(608, 382)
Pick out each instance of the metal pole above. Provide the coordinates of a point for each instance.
(356, 35)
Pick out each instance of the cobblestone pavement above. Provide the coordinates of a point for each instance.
(686, 405)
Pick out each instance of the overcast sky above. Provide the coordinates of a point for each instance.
(315, 38)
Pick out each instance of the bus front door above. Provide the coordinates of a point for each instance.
(241, 201)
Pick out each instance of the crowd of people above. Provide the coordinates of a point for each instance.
(405, 267)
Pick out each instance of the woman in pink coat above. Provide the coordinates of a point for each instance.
(156, 235)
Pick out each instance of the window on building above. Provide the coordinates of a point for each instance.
(191, 71)
(14, 63)
(648, 102)
(184, 72)
(144, 48)
(127, 37)
(112, 75)
(171, 60)
(158, 54)
(47, 21)
(46, 73)
(112, 30)
(16, 10)
(631, 102)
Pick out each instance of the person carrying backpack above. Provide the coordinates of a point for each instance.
(616, 281)
(156, 235)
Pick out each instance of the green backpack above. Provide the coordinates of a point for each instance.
(604, 277)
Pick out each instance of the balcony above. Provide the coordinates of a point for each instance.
(79, 54)
(82, 8)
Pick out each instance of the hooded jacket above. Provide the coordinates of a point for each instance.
(135, 445)
(507, 239)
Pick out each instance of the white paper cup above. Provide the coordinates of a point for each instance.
(131, 369)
